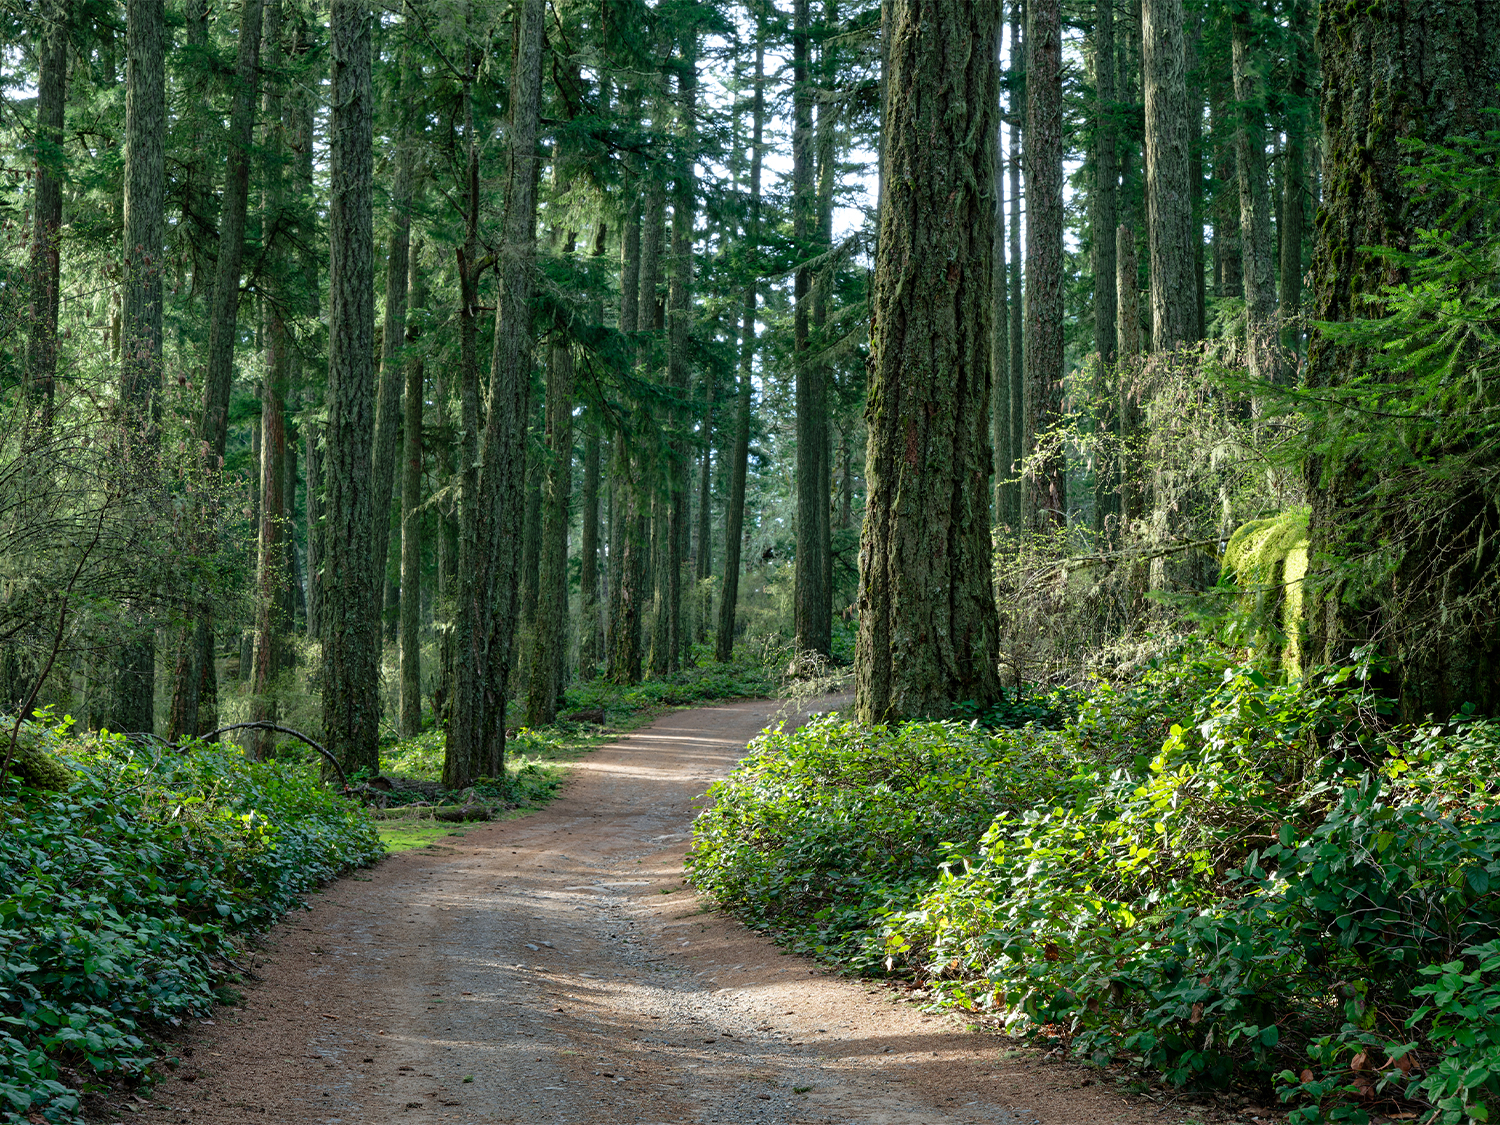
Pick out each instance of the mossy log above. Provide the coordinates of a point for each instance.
(33, 762)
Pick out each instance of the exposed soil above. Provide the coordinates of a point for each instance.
(556, 969)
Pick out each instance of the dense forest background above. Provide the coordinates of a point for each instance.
(368, 367)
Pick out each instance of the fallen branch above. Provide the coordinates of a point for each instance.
(264, 725)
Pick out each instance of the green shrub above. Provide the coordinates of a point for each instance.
(1217, 876)
(123, 896)
(819, 831)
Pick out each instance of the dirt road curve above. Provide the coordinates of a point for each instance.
(535, 971)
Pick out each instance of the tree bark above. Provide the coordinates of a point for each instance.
(590, 643)
(928, 626)
(679, 331)
(223, 316)
(1102, 221)
(811, 611)
(1004, 454)
(1017, 504)
(1228, 265)
(1102, 224)
(487, 568)
(392, 376)
(550, 626)
(739, 457)
(49, 161)
(1293, 225)
(1046, 481)
(272, 574)
(411, 508)
(647, 455)
(1129, 414)
(351, 648)
(1168, 192)
(626, 542)
(140, 353)
(1195, 175)
(1255, 202)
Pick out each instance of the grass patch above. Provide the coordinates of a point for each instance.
(404, 836)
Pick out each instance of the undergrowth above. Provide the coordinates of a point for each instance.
(126, 898)
(1225, 879)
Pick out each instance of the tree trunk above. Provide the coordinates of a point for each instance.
(1293, 224)
(313, 509)
(1394, 74)
(1017, 505)
(1102, 224)
(1129, 412)
(459, 544)
(734, 511)
(679, 330)
(1046, 482)
(411, 510)
(626, 574)
(223, 316)
(272, 573)
(1228, 265)
(196, 673)
(1004, 455)
(827, 154)
(392, 376)
(1102, 220)
(140, 353)
(550, 626)
(648, 455)
(51, 94)
(1195, 176)
(351, 647)
(1169, 212)
(1255, 202)
(487, 570)
(590, 643)
(811, 611)
(928, 627)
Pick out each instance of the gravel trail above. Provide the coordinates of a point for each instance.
(555, 969)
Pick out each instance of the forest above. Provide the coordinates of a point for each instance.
(1103, 391)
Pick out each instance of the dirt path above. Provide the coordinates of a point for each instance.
(554, 969)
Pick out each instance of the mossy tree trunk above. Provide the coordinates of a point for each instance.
(928, 624)
(1394, 73)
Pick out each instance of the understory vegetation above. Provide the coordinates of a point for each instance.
(1229, 880)
(129, 895)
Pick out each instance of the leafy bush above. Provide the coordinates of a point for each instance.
(819, 831)
(1218, 876)
(124, 895)
(1258, 901)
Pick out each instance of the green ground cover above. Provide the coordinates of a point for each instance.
(128, 896)
(1208, 875)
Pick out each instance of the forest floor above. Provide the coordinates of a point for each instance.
(556, 968)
